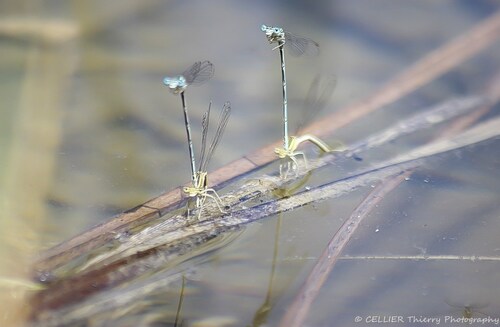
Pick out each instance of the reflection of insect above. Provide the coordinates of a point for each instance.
(291, 153)
(297, 46)
(199, 73)
(469, 311)
(179, 306)
(200, 189)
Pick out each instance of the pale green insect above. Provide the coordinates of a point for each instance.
(297, 46)
(199, 188)
(199, 73)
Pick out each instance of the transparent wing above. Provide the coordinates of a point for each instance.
(298, 45)
(199, 72)
(223, 119)
(319, 94)
(204, 132)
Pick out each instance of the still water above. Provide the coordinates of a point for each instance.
(88, 130)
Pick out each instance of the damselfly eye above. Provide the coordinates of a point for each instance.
(276, 30)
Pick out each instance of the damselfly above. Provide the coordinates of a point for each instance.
(297, 46)
(199, 73)
(200, 188)
(320, 92)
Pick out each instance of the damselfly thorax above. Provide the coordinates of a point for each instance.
(201, 192)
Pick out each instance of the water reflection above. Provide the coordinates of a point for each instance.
(469, 310)
(262, 314)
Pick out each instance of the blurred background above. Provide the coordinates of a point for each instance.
(88, 130)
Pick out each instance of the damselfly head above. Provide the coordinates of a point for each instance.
(273, 33)
(176, 84)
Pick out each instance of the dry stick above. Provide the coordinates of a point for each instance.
(430, 67)
(297, 312)
(178, 245)
(424, 119)
(492, 93)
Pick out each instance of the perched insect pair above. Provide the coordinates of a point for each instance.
(320, 91)
(197, 74)
(202, 71)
